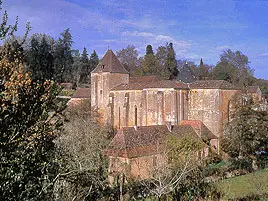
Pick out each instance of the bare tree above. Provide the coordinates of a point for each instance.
(84, 169)
(179, 159)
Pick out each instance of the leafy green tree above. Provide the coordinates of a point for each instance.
(247, 132)
(240, 61)
(63, 59)
(225, 71)
(129, 58)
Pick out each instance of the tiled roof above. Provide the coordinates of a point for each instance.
(82, 93)
(110, 63)
(200, 128)
(253, 89)
(146, 140)
(145, 82)
(212, 84)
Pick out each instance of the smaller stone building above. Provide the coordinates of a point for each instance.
(135, 151)
(80, 95)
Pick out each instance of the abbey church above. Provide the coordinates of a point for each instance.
(125, 101)
(144, 109)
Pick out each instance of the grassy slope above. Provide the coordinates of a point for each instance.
(254, 183)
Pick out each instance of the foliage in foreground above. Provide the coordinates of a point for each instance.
(28, 126)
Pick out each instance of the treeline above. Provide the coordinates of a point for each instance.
(49, 59)
(233, 66)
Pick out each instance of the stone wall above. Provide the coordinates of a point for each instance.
(102, 83)
(211, 106)
(147, 107)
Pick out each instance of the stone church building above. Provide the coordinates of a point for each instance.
(143, 109)
(125, 101)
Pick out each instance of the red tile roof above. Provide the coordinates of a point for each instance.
(146, 82)
(110, 63)
(82, 93)
(212, 84)
(131, 143)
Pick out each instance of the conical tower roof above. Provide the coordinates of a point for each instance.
(110, 63)
(186, 75)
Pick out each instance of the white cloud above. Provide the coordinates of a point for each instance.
(264, 54)
(138, 34)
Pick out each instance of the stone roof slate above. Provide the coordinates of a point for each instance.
(200, 128)
(145, 82)
(82, 93)
(110, 63)
(212, 84)
(146, 140)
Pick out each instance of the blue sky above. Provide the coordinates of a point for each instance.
(197, 28)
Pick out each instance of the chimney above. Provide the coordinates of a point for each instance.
(169, 126)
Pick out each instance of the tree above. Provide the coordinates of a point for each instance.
(247, 132)
(225, 71)
(28, 127)
(161, 61)
(171, 62)
(203, 71)
(84, 169)
(76, 67)
(93, 60)
(129, 58)
(181, 161)
(240, 61)
(40, 57)
(85, 68)
(63, 57)
(5, 29)
(149, 62)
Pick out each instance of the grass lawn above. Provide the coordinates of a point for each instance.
(240, 186)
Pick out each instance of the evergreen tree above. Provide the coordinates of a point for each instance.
(149, 50)
(76, 67)
(93, 60)
(85, 68)
(203, 71)
(40, 58)
(161, 60)
(201, 62)
(171, 62)
(63, 58)
(149, 67)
